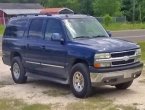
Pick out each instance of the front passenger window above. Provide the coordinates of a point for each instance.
(53, 26)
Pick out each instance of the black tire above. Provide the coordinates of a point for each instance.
(87, 89)
(124, 86)
(21, 77)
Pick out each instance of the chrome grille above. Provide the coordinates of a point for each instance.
(122, 54)
(123, 62)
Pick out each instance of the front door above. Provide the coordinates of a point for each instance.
(54, 52)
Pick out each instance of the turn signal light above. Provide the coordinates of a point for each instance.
(97, 65)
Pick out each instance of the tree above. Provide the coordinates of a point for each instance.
(103, 7)
(86, 6)
(127, 9)
(141, 10)
(107, 20)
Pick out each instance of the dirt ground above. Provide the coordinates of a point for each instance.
(44, 92)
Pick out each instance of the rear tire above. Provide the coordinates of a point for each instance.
(18, 71)
(80, 81)
(124, 86)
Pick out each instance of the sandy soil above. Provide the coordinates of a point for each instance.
(35, 91)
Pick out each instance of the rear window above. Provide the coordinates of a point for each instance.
(16, 28)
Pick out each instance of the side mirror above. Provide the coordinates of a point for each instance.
(109, 33)
(57, 37)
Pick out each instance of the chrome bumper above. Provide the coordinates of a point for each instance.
(116, 77)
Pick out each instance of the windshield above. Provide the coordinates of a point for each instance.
(84, 28)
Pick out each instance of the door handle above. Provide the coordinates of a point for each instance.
(43, 47)
(28, 45)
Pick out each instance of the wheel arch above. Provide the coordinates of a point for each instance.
(15, 54)
(78, 60)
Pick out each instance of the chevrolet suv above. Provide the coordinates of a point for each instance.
(69, 49)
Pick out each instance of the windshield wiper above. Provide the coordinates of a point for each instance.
(79, 37)
(99, 36)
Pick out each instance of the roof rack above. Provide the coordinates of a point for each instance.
(33, 14)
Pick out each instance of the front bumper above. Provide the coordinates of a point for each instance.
(116, 75)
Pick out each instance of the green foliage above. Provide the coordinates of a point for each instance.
(9, 104)
(107, 20)
(127, 9)
(1, 29)
(142, 45)
(80, 6)
(103, 7)
(97, 103)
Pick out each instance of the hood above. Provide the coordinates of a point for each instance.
(106, 44)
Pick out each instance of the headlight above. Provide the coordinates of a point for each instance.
(138, 52)
(102, 56)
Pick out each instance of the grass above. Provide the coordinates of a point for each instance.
(124, 26)
(9, 104)
(1, 29)
(97, 103)
(94, 103)
(142, 45)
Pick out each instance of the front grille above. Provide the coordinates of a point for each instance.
(122, 54)
(117, 63)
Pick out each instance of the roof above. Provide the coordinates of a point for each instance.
(57, 11)
(21, 11)
(60, 16)
(20, 6)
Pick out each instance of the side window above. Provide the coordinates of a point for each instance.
(16, 28)
(36, 29)
(53, 26)
(11, 31)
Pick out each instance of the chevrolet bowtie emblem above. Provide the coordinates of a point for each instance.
(126, 58)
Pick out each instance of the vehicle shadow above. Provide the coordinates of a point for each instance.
(65, 89)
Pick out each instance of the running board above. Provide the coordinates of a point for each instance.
(57, 80)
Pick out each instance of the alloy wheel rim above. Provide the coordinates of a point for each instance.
(16, 70)
(78, 81)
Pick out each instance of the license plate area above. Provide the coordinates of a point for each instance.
(127, 75)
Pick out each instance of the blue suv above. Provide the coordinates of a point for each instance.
(69, 49)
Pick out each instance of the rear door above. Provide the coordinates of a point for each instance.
(34, 45)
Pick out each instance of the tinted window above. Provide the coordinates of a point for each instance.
(36, 27)
(53, 26)
(21, 22)
(16, 28)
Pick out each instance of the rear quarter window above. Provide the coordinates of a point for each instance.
(16, 28)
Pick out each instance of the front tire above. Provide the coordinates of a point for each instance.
(18, 71)
(80, 81)
(124, 86)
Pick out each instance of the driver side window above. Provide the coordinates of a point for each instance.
(53, 26)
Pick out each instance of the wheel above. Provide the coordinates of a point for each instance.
(124, 85)
(17, 70)
(80, 81)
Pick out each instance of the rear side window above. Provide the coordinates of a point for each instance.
(16, 28)
(53, 26)
(36, 29)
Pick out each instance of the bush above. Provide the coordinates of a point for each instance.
(107, 20)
